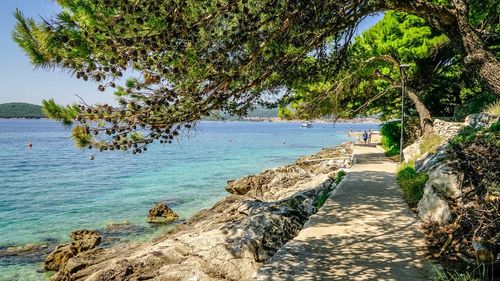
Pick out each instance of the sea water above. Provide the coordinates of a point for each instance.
(53, 188)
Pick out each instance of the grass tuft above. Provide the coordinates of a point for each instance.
(493, 108)
(340, 175)
(412, 183)
(430, 143)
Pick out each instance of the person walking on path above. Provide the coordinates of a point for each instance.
(365, 137)
(369, 136)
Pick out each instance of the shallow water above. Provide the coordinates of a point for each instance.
(53, 188)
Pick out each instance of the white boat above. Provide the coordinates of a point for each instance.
(306, 125)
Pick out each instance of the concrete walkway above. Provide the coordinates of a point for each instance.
(365, 231)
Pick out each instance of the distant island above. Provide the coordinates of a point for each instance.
(20, 110)
(259, 114)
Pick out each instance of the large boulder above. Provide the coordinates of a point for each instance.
(444, 185)
(412, 151)
(85, 235)
(244, 185)
(446, 180)
(432, 207)
(83, 240)
(161, 213)
(429, 160)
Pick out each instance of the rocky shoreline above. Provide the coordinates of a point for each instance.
(229, 241)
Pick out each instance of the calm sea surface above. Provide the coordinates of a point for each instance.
(53, 188)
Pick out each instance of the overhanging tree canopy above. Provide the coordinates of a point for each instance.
(370, 82)
(198, 56)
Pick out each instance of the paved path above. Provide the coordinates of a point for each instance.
(365, 231)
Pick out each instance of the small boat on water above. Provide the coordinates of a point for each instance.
(306, 125)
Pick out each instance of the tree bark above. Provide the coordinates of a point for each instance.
(423, 113)
(477, 55)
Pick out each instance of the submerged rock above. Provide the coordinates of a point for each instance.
(116, 232)
(29, 253)
(83, 240)
(161, 213)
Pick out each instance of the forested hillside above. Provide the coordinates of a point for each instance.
(20, 110)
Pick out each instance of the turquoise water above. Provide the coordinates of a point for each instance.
(53, 188)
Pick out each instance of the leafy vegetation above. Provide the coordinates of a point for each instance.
(324, 196)
(192, 58)
(20, 110)
(411, 182)
(371, 82)
(474, 104)
(442, 275)
(322, 199)
(391, 137)
(468, 135)
(340, 175)
(438, 82)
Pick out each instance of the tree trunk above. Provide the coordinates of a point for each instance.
(455, 23)
(423, 113)
(477, 55)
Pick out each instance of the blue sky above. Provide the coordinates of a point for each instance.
(20, 82)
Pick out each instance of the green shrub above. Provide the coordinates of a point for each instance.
(475, 104)
(411, 183)
(391, 135)
(322, 199)
(468, 135)
(340, 175)
(430, 143)
(465, 135)
(495, 127)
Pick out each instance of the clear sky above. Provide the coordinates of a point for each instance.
(20, 82)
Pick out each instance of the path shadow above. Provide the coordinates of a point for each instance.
(360, 234)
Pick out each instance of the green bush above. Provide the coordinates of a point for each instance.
(468, 135)
(391, 136)
(474, 104)
(411, 183)
(465, 135)
(340, 175)
(322, 199)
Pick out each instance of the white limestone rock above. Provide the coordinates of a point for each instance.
(432, 208)
(446, 180)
